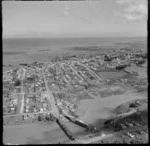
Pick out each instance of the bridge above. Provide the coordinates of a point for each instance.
(65, 129)
(81, 123)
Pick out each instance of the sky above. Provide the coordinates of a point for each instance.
(102, 18)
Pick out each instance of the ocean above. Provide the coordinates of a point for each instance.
(26, 50)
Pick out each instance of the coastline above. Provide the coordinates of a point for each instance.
(29, 50)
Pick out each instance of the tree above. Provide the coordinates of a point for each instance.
(135, 73)
(40, 118)
(52, 118)
(115, 142)
(17, 83)
(86, 86)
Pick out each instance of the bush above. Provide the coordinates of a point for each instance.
(40, 118)
(17, 83)
(47, 118)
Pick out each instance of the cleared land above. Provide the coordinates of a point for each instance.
(142, 71)
(33, 134)
(112, 75)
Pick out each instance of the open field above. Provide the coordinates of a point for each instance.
(142, 71)
(33, 134)
(39, 134)
(112, 75)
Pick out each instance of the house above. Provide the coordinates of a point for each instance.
(35, 110)
(12, 109)
(130, 135)
(41, 110)
(25, 117)
(123, 126)
(27, 100)
(44, 105)
(27, 110)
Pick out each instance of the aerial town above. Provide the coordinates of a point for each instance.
(51, 91)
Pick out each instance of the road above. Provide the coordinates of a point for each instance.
(75, 72)
(63, 75)
(50, 97)
(20, 114)
(92, 72)
(22, 91)
(94, 139)
(87, 141)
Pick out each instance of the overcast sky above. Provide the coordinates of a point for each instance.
(77, 18)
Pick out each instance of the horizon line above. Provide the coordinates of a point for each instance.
(26, 37)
